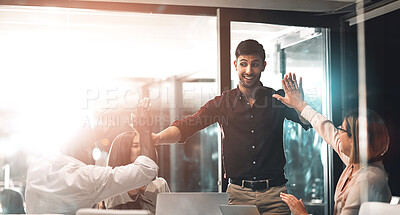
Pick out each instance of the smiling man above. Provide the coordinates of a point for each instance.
(251, 121)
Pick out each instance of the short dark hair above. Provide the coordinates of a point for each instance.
(250, 47)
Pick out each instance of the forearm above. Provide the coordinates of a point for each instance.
(171, 134)
(112, 182)
(325, 128)
(302, 119)
(147, 145)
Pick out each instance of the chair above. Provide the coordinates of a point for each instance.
(12, 202)
(92, 211)
(373, 208)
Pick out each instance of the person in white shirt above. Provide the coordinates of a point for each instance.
(346, 142)
(62, 184)
(125, 149)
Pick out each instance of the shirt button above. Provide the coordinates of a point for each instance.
(251, 116)
(254, 162)
(240, 97)
(252, 131)
(253, 147)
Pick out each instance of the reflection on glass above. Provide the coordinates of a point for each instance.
(302, 51)
(65, 70)
(192, 166)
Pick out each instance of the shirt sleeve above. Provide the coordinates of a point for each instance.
(205, 116)
(63, 184)
(326, 130)
(124, 178)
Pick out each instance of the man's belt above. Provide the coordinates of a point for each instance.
(259, 184)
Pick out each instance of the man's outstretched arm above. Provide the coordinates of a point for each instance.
(169, 135)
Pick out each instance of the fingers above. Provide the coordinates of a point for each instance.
(301, 83)
(141, 119)
(133, 117)
(295, 205)
(289, 199)
(290, 76)
(290, 81)
(295, 81)
(301, 201)
(286, 84)
(146, 103)
(277, 96)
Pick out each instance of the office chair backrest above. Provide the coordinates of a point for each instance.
(12, 202)
(373, 208)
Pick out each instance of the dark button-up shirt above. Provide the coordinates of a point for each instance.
(252, 144)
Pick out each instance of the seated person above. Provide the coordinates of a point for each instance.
(124, 150)
(346, 142)
(63, 184)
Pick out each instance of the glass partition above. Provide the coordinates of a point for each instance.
(73, 76)
(302, 51)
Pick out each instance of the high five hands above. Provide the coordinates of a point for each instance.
(141, 120)
(294, 96)
(142, 123)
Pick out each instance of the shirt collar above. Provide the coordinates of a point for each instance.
(259, 90)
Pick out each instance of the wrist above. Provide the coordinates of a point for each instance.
(301, 106)
(156, 138)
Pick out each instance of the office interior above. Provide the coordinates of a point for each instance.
(73, 71)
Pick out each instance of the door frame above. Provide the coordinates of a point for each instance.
(302, 19)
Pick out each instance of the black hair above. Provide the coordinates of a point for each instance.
(250, 47)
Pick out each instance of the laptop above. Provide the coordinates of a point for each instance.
(239, 209)
(93, 211)
(190, 203)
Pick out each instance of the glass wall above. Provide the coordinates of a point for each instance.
(73, 76)
(302, 51)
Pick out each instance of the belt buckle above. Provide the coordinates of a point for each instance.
(253, 184)
(267, 181)
(258, 185)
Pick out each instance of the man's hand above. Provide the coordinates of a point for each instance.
(294, 96)
(167, 136)
(296, 206)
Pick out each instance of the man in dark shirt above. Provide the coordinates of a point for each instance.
(251, 123)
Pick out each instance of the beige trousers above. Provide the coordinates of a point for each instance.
(267, 201)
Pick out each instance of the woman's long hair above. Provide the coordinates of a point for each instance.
(120, 151)
(377, 136)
